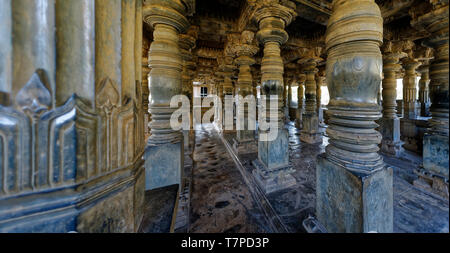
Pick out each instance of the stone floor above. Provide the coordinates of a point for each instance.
(220, 200)
(224, 197)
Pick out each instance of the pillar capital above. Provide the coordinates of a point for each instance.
(170, 12)
(272, 18)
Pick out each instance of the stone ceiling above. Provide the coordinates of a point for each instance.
(218, 18)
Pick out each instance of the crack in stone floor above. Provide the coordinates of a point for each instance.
(220, 200)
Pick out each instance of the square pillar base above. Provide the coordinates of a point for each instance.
(311, 138)
(244, 147)
(431, 183)
(390, 131)
(163, 165)
(352, 202)
(311, 132)
(273, 180)
(435, 154)
(391, 148)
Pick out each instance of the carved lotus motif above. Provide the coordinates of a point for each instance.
(34, 98)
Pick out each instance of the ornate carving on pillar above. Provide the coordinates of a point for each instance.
(187, 43)
(435, 141)
(273, 171)
(409, 88)
(424, 94)
(390, 123)
(245, 50)
(354, 187)
(310, 132)
(164, 154)
(300, 98)
(320, 80)
(226, 69)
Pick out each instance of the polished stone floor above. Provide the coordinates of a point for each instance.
(224, 198)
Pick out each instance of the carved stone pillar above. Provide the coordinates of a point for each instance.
(226, 69)
(187, 43)
(245, 138)
(424, 96)
(354, 187)
(273, 171)
(68, 116)
(289, 99)
(390, 123)
(435, 141)
(310, 132)
(300, 99)
(164, 152)
(319, 81)
(409, 130)
(409, 88)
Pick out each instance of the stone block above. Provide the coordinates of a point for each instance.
(275, 154)
(353, 202)
(435, 154)
(244, 147)
(163, 165)
(311, 133)
(273, 180)
(390, 130)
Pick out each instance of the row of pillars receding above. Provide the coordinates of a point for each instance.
(353, 184)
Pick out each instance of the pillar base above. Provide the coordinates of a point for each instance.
(409, 135)
(353, 202)
(311, 138)
(391, 148)
(273, 180)
(244, 147)
(287, 119)
(163, 165)
(435, 154)
(431, 183)
(390, 131)
(311, 132)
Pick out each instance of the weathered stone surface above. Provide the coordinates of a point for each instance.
(350, 201)
(163, 165)
(435, 154)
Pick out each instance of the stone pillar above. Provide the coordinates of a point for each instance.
(310, 132)
(226, 68)
(390, 123)
(289, 98)
(424, 96)
(164, 152)
(68, 117)
(273, 171)
(320, 79)
(300, 99)
(409, 130)
(435, 141)
(354, 187)
(409, 88)
(187, 43)
(245, 138)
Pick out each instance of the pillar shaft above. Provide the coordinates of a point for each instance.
(310, 132)
(390, 123)
(409, 89)
(272, 167)
(354, 188)
(424, 96)
(164, 154)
